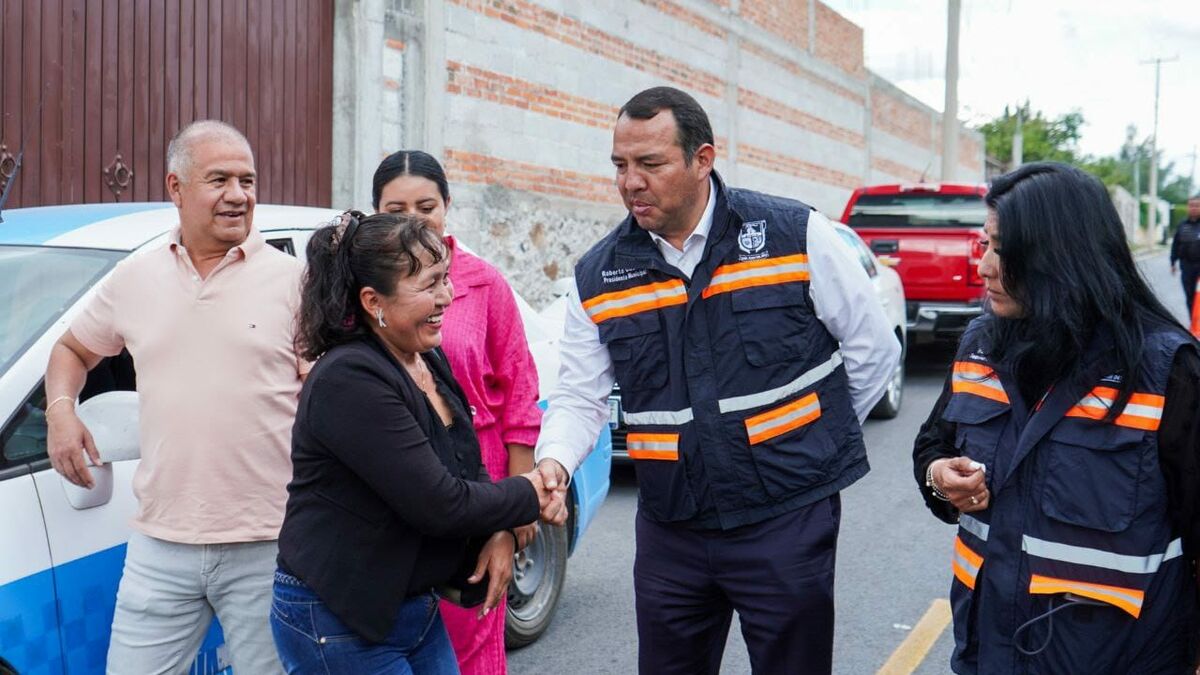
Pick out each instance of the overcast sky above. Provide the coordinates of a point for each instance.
(1060, 54)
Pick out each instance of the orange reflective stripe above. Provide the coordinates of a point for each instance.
(635, 300)
(1143, 411)
(1128, 599)
(783, 419)
(965, 563)
(977, 379)
(765, 272)
(653, 446)
(1196, 312)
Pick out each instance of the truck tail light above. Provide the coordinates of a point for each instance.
(973, 278)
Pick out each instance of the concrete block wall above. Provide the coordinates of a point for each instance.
(518, 99)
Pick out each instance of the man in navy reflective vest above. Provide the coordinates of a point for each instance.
(749, 345)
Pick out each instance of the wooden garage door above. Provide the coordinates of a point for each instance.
(94, 90)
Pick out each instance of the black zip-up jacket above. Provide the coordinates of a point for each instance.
(382, 500)
(1186, 244)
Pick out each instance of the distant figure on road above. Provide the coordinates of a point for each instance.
(1066, 447)
(1185, 250)
(749, 345)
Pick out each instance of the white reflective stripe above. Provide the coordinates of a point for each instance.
(665, 417)
(974, 526)
(784, 420)
(992, 381)
(966, 564)
(649, 295)
(1081, 555)
(733, 277)
(726, 405)
(768, 397)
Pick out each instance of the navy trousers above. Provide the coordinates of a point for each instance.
(777, 575)
(1188, 273)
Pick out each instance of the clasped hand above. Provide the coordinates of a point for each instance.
(963, 482)
(549, 478)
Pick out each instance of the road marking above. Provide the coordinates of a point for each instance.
(916, 646)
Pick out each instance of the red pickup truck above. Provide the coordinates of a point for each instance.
(932, 234)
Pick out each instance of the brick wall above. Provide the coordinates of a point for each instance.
(839, 41)
(787, 19)
(527, 92)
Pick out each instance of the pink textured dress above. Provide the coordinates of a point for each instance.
(484, 339)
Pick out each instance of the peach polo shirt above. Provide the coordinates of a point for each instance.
(218, 382)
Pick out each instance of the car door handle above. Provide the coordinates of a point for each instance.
(885, 246)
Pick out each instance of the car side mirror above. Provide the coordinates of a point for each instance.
(112, 419)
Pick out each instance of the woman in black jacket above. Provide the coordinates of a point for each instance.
(387, 486)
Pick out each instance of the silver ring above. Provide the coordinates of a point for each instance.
(974, 501)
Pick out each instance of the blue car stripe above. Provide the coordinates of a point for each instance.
(39, 224)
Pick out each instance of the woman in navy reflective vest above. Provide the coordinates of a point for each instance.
(1065, 447)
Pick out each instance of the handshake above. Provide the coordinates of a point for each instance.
(550, 479)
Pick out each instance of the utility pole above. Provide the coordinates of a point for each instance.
(950, 110)
(1018, 142)
(1152, 223)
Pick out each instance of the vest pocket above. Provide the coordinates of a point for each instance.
(638, 352)
(791, 447)
(772, 322)
(1092, 474)
(978, 426)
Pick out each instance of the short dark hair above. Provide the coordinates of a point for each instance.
(408, 163)
(691, 122)
(343, 258)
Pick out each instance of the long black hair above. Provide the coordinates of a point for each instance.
(1065, 261)
(408, 163)
(348, 255)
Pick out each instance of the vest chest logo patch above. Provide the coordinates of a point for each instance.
(753, 238)
(615, 276)
(1112, 379)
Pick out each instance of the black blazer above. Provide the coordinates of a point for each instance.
(372, 498)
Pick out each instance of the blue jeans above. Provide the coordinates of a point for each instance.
(311, 639)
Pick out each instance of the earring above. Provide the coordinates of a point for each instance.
(379, 317)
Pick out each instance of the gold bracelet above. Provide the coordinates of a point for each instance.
(60, 399)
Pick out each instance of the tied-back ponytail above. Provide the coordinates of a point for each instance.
(349, 254)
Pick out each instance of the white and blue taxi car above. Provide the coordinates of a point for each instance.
(60, 563)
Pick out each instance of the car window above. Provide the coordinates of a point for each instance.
(38, 284)
(284, 244)
(918, 209)
(23, 439)
(865, 258)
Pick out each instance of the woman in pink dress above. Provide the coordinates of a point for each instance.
(484, 339)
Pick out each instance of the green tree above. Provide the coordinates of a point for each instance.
(1043, 139)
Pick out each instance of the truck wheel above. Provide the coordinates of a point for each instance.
(538, 575)
(889, 406)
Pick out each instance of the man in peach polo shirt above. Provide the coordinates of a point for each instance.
(208, 318)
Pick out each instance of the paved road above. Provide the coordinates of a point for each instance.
(893, 558)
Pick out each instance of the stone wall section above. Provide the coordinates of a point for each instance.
(518, 99)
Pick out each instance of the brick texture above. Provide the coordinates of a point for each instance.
(799, 71)
(773, 161)
(839, 41)
(498, 88)
(906, 173)
(677, 11)
(567, 30)
(787, 19)
(470, 167)
(796, 117)
(900, 119)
